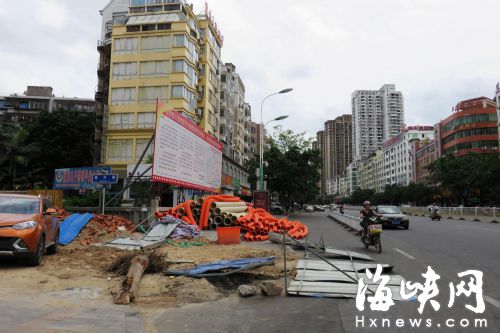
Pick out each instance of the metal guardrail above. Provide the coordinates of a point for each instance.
(475, 212)
(346, 219)
(493, 212)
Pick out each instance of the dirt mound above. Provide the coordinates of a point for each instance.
(189, 290)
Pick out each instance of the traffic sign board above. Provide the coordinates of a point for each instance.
(105, 179)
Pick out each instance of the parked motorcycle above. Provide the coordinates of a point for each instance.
(373, 237)
(341, 210)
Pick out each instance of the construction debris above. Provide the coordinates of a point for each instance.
(224, 267)
(247, 291)
(270, 289)
(325, 251)
(71, 227)
(156, 236)
(216, 211)
(183, 229)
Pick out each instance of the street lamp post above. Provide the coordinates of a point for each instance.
(262, 127)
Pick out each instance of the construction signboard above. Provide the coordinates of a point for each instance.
(184, 155)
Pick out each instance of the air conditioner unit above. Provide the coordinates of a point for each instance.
(199, 112)
(217, 71)
(199, 89)
(200, 41)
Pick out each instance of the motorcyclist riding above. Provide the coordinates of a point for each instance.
(365, 214)
(434, 210)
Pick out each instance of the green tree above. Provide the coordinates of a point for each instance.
(292, 167)
(16, 153)
(65, 139)
(471, 177)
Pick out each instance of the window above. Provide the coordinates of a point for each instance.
(172, 7)
(193, 53)
(178, 91)
(188, 95)
(124, 70)
(146, 119)
(157, 68)
(125, 45)
(164, 26)
(120, 150)
(140, 145)
(149, 27)
(180, 40)
(193, 78)
(121, 120)
(133, 28)
(122, 96)
(148, 95)
(179, 66)
(154, 9)
(148, 2)
(154, 44)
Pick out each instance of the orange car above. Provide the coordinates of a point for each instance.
(28, 227)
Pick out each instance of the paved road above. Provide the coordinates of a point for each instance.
(448, 246)
(76, 311)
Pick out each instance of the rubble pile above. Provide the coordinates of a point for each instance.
(101, 227)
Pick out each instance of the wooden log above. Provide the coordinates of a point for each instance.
(130, 285)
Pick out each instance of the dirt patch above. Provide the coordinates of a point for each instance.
(83, 267)
(190, 290)
(229, 284)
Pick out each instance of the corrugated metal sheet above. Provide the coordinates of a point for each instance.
(156, 236)
(344, 265)
(334, 289)
(331, 252)
(71, 227)
(334, 276)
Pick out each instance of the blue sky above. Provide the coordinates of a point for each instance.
(436, 52)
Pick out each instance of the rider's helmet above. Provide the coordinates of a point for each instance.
(366, 203)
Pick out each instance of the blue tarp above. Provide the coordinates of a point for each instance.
(71, 226)
(224, 267)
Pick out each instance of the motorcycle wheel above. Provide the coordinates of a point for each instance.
(378, 244)
(365, 241)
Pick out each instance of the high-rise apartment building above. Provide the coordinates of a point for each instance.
(235, 116)
(377, 115)
(235, 132)
(157, 49)
(338, 145)
(320, 144)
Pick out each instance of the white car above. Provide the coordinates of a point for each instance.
(309, 208)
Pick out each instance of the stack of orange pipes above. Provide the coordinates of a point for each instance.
(257, 223)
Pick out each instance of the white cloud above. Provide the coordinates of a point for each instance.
(436, 52)
(51, 13)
